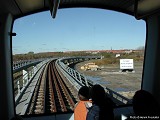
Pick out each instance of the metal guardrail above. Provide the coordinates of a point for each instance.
(118, 97)
(22, 82)
(69, 75)
(19, 65)
(75, 76)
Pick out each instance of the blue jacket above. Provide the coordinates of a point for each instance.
(93, 113)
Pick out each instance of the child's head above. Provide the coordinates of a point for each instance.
(84, 93)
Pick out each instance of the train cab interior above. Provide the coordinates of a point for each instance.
(10, 10)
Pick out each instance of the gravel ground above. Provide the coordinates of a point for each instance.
(126, 83)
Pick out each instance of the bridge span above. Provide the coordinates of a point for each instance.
(54, 86)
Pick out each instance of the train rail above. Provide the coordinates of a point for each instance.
(52, 92)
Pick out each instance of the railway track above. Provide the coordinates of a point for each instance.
(52, 92)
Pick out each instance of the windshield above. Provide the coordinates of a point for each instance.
(119, 39)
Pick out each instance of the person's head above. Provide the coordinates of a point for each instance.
(144, 103)
(84, 93)
(98, 94)
(99, 98)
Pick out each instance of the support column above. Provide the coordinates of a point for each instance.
(7, 110)
(151, 75)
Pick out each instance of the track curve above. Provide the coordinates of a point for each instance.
(53, 93)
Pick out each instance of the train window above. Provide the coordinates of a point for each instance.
(110, 44)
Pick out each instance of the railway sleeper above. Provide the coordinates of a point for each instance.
(41, 97)
(38, 111)
(39, 103)
(39, 106)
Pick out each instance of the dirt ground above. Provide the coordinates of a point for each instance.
(125, 83)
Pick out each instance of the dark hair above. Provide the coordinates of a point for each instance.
(84, 91)
(105, 104)
(145, 104)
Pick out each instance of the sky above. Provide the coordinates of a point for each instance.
(76, 29)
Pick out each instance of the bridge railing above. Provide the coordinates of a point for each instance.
(118, 98)
(81, 79)
(22, 82)
(70, 74)
(20, 64)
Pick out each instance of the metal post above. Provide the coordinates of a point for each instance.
(34, 70)
(69, 71)
(29, 74)
(18, 85)
(25, 77)
(79, 77)
(72, 72)
(86, 81)
(75, 74)
(23, 82)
